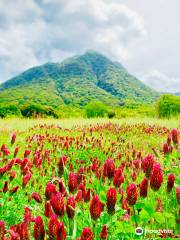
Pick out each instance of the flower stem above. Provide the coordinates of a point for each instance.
(135, 216)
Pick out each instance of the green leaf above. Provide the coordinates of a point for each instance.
(139, 205)
(135, 218)
(148, 207)
(102, 197)
(144, 216)
(158, 217)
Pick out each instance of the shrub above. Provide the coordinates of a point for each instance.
(168, 105)
(111, 114)
(37, 110)
(9, 110)
(95, 109)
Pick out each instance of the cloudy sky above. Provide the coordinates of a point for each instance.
(143, 35)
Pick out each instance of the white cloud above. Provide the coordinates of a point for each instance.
(161, 82)
(33, 32)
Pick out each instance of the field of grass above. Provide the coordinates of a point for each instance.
(23, 124)
(89, 179)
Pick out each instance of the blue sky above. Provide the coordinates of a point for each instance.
(143, 35)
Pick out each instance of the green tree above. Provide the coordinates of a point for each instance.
(37, 110)
(9, 110)
(168, 105)
(95, 109)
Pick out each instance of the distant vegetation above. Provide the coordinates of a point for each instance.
(165, 107)
(36, 110)
(75, 83)
(168, 106)
(95, 109)
(90, 85)
(9, 110)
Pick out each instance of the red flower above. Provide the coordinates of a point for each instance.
(66, 145)
(27, 215)
(82, 188)
(118, 178)
(121, 191)
(5, 188)
(61, 187)
(147, 164)
(178, 195)
(170, 182)
(13, 138)
(3, 148)
(80, 175)
(16, 151)
(95, 207)
(52, 227)
(86, 234)
(36, 197)
(50, 190)
(125, 205)
(134, 153)
(48, 209)
(61, 232)
(133, 175)
(24, 232)
(27, 153)
(79, 196)
(13, 235)
(2, 230)
(39, 232)
(137, 164)
(23, 163)
(175, 136)
(144, 187)
(87, 195)
(10, 164)
(166, 149)
(70, 207)
(104, 232)
(72, 182)
(109, 168)
(12, 175)
(61, 164)
(2, 171)
(26, 179)
(111, 199)
(57, 202)
(14, 189)
(132, 194)
(156, 178)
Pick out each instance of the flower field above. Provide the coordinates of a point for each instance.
(94, 181)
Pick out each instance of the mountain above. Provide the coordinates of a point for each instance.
(177, 94)
(75, 82)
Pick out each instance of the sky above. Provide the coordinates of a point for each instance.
(143, 35)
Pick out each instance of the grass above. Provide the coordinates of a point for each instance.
(18, 124)
(105, 141)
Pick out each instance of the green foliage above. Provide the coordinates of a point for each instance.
(95, 109)
(111, 114)
(128, 136)
(135, 111)
(37, 110)
(67, 88)
(168, 105)
(76, 82)
(9, 110)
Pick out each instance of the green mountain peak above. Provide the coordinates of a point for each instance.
(76, 81)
